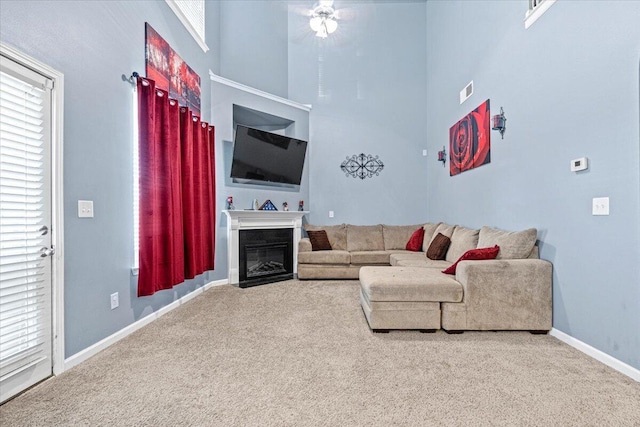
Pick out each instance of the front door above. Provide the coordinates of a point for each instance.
(25, 228)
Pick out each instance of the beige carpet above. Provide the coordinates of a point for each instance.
(301, 354)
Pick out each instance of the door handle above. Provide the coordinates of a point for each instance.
(45, 252)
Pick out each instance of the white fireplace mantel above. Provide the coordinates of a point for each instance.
(246, 220)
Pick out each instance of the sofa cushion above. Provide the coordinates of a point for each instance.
(337, 234)
(424, 263)
(513, 245)
(462, 240)
(438, 247)
(474, 255)
(396, 236)
(408, 284)
(415, 241)
(397, 257)
(429, 232)
(365, 238)
(319, 240)
(324, 257)
(370, 257)
(442, 228)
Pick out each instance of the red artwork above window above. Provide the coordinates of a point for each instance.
(170, 72)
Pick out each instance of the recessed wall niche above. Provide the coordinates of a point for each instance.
(233, 104)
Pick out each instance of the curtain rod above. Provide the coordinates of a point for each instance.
(132, 78)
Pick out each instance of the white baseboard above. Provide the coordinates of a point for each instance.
(85, 354)
(600, 356)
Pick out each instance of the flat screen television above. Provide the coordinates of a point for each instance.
(265, 156)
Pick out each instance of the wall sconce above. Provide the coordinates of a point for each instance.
(500, 122)
(442, 156)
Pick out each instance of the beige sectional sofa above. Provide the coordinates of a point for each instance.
(400, 289)
(353, 246)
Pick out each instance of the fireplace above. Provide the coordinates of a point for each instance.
(266, 256)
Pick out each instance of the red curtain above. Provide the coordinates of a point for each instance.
(177, 181)
(197, 139)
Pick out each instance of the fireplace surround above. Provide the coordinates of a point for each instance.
(238, 221)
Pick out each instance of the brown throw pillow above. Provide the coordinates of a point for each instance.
(319, 240)
(438, 247)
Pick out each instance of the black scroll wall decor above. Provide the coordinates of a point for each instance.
(362, 166)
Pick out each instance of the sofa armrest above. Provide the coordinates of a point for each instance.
(304, 245)
(507, 294)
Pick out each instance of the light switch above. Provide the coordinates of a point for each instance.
(85, 208)
(600, 206)
(330, 214)
(424, 153)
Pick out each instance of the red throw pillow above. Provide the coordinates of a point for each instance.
(475, 255)
(415, 241)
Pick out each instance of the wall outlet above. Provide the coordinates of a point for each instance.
(600, 206)
(424, 153)
(115, 301)
(85, 208)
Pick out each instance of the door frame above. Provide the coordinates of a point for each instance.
(57, 197)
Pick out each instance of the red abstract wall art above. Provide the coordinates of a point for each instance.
(470, 141)
(170, 72)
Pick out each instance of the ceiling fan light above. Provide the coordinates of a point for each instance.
(331, 25)
(315, 23)
(322, 32)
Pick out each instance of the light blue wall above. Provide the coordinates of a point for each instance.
(569, 86)
(367, 84)
(253, 44)
(94, 43)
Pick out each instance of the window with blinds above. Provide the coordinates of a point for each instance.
(536, 9)
(25, 274)
(191, 14)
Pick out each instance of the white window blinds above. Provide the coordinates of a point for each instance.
(25, 293)
(191, 14)
(536, 9)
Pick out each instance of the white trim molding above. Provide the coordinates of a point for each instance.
(188, 25)
(252, 220)
(532, 15)
(96, 348)
(57, 200)
(600, 356)
(254, 91)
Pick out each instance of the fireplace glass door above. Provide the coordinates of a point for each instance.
(265, 256)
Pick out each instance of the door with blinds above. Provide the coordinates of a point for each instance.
(25, 222)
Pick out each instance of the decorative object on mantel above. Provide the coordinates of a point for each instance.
(230, 206)
(285, 207)
(170, 72)
(470, 141)
(442, 156)
(323, 19)
(255, 205)
(362, 166)
(268, 206)
(301, 205)
(500, 123)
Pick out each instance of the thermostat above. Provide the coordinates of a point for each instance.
(579, 164)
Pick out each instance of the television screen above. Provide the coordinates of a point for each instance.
(264, 156)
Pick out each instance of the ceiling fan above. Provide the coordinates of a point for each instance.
(323, 19)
